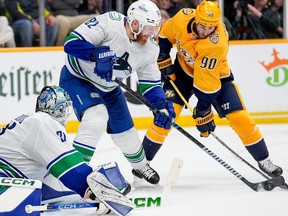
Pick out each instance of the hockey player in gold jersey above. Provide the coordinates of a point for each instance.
(201, 68)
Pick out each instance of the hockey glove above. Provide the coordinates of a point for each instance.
(104, 61)
(121, 64)
(204, 121)
(166, 114)
(165, 66)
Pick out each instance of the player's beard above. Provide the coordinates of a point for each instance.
(202, 36)
(142, 39)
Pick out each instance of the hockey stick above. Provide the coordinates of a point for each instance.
(180, 95)
(30, 208)
(172, 175)
(267, 185)
(140, 202)
(284, 186)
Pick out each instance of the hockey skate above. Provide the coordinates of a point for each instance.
(148, 173)
(269, 168)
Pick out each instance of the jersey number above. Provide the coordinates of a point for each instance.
(208, 63)
(12, 124)
(91, 22)
(62, 136)
(9, 126)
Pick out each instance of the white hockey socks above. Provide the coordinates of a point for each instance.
(131, 147)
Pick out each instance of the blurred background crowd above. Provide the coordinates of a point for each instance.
(20, 22)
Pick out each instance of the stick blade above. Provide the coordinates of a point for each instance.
(173, 175)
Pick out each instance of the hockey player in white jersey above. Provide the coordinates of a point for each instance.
(103, 48)
(34, 144)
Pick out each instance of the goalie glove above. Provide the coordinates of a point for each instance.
(165, 66)
(204, 121)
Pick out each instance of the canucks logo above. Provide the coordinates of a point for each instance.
(114, 15)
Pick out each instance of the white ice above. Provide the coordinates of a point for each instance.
(204, 187)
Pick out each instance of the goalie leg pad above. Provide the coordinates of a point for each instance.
(115, 177)
(17, 193)
(53, 191)
(108, 194)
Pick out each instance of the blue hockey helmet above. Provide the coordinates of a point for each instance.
(55, 101)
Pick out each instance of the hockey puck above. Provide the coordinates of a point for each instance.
(269, 186)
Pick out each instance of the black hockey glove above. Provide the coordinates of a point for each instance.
(204, 121)
(121, 64)
(165, 66)
(104, 61)
(166, 114)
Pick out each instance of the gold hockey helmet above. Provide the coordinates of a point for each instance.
(208, 13)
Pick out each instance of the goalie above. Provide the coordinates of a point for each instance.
(33, 144)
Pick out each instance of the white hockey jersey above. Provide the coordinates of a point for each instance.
(109, 30)
(34, 143)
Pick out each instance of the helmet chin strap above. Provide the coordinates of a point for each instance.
(134, 33)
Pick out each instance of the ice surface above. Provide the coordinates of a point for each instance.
(204, 187)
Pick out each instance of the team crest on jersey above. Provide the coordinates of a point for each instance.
(170, 93)
(187, 57)
(187, 11)
(214, 38)
(114, 15)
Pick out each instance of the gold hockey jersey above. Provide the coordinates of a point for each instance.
(203, 59)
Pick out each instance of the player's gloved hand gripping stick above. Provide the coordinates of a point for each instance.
(165, 66)
(165, 115)
(284, 186)
(267, 185)
(104, 62)
(204, 121)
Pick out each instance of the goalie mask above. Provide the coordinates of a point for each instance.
(148, 16)
(56, 102)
